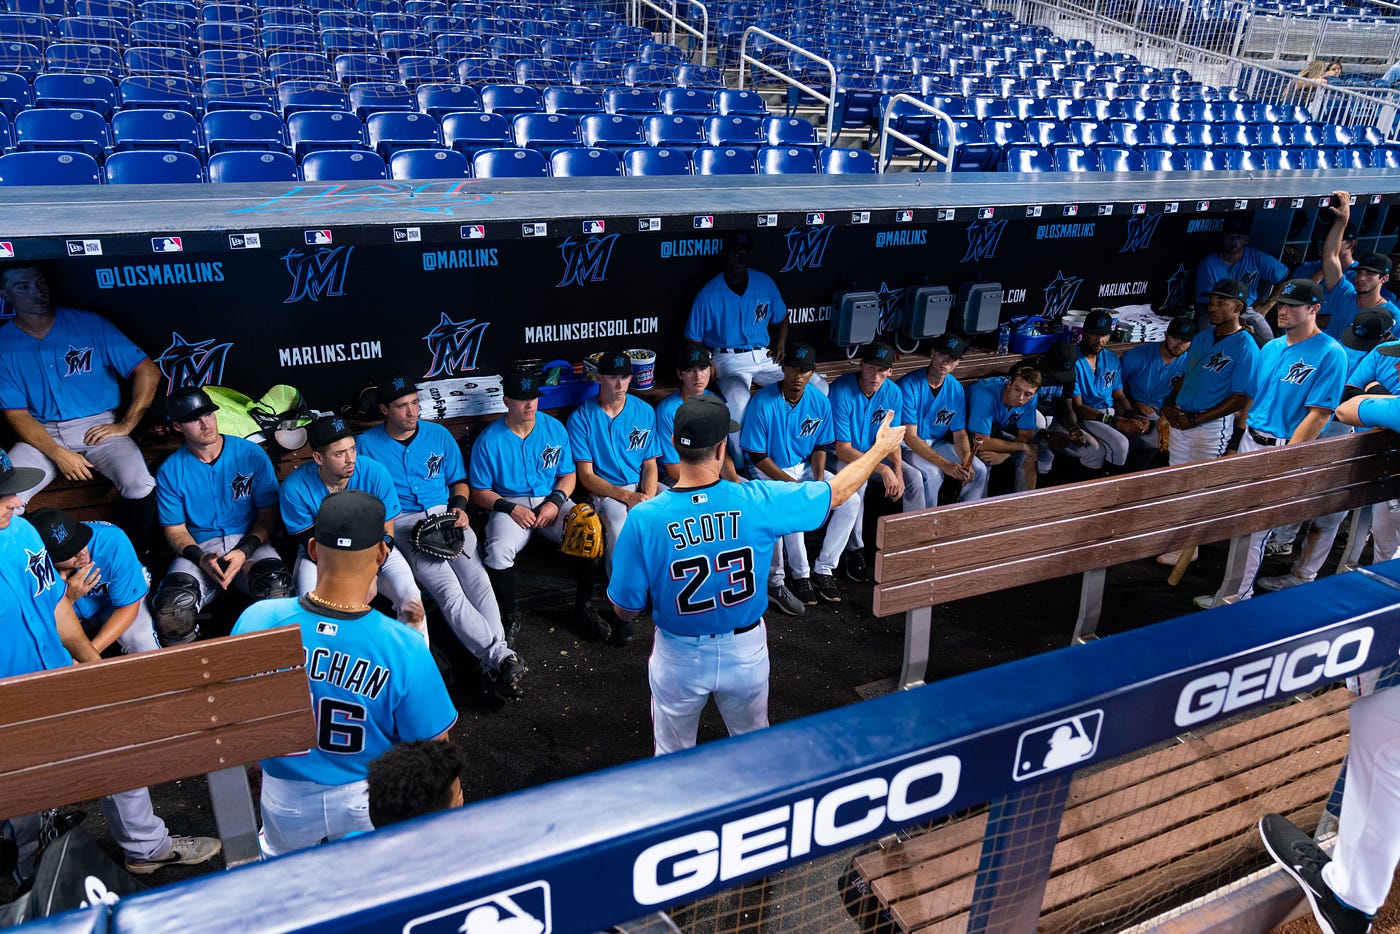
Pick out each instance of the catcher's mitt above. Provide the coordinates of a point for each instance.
(583, 533)
(439, 536)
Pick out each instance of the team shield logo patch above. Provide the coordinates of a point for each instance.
(78, 360)
(40, 568)
(241, 486)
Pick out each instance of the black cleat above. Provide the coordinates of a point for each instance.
(505, 682)
(801, 588)
(591, 624)
(623, 632)
(857, 568)
(825, 586)
(1299, 855)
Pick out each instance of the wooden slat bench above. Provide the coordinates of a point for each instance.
(1139, 832)
(77, 733)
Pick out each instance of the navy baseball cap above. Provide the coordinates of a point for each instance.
(63, 535)
(395, 387)
(692, 355)
(1237, 225)
(1300, 292)
(1098, 321)
(1057, 362)
(351, 520)
(614, 363)
(738, 240)
(701, 422)
(17, 479)
(1378, 263)
(521, 385)
(949, 345)
(1230, 288)
(188, 403)
(1368, 328)
(327, 429)
(1183, 329)
(878, 353)
(801, 357)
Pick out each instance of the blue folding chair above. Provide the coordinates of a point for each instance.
(740, 103)
(48, 168)
(343, 165)
(509, 163)
(838, 161)
(92, 59)
(439, 100)
(231, 63)
(63, 128)
(156, 129)
(787, 160)
(396, 43)
(723, 160)
(509, 100)
(249, 166)
(591, 163)
(428, 163)
(469, 133)
(656, 160)
(153, 167)
(244, 130)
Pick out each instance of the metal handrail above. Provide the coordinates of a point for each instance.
(669, 13)
(887, 131)
(828, 100)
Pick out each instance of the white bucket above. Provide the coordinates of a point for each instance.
(643, 368)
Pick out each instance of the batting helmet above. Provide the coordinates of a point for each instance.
(188, 403)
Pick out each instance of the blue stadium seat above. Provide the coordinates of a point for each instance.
(1238, 159)
(723, 160)
(298, 66)
(91, 92)
(1120, 159)
(1086, 131)
(592, 163)
(227, 35)
(661, 53)
(572, 101)
(569, 51)
(542, 71)
(837, 161)
(48, 168)
(390, 131)
(789, 131)
(687, 101)
(1202, 158)
(34, 29)
(236, 94)
(656, 160)
(509, 163)
(395, 21)
(1361, 135)
(595, 74)
(300, 95)
(334, 15)
(1345, 157)
(469, 133)
(287, 38)
(739, 102)
(53, 9)
(224, 13)
(156, 60)
(985, 108)
(700, 76)
(426, 7)
(428, 163)
(636, 102)
(153, 167)
(971, 150)
(1047, 133)
(673, 132)
(16, 94)
(455, 46)
(1075, 159)
(613, 51)
(1163, 159)
(1027, 157)
(1029, 108)
(787, 160)
(480, 72)
(1164, 133)
(178, 34)
(396, 43)
(544, 131)
(92, 29)
(230, 63)
(512, 48)
(439, 100)
(733, 132)
(1305, 134)
(243, 129)
(312, 130)
(1005, 131)
(510, 99)
(370, 97)
(1385, 157)
(21, 58)
(93, 59)
(177, 10)
(249, 166)
(354, 67)
(423, 69)
(639, 75)
(156, 129)
(63, 128)
(617, 132)
(343, 165)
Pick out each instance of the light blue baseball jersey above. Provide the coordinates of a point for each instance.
(666, 426)
(1095, 385)
(72, 373)
(423, 467)
(31, 589)
(222, 498)
(702, 553)
(1291, 379)
(618, 446)
(1379, 413)
(1251, 268)
(1217, 369)
(515, 466)
(1146, 378)
(856, 418)
(1377, 368)
(373, 684)
(787, 433)
(124, 579)
(303, 491)
(936, 413)
(987, 414)
(721, 319)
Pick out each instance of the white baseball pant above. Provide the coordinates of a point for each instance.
(140, 636)
(838, 532)
(118, 459)
(1385, 531)
(208, 589)
(1254, 554)
(297, 815)
(129, 815)
(912, 500)
(505, 539)
(395, 581)
(1203, 442)
(931, 477)
(614, 515)
(685, 670)
(1317, 546)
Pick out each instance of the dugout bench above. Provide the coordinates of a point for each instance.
(73, 734)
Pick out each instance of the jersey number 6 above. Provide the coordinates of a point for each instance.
(339, 727)
(737, 563)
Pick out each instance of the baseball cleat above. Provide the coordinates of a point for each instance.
(1210, 601)
(184, 851)
(1170, 558)
(1281, 582)
(1298, 855)
(623, 632)
(506, 680)
(783, 599)
(825, 586)
(801, 588)
(591, 624)
(857, 568)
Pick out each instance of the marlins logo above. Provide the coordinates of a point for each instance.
(1298, 373)
(637, 439)
(1141, 227)
(760, 312)
(1059, 294)
(809, 427)
(1216, 363)
(983, 237)
(317, 275)
(1179, 289)
(890, 301)
(41, 569)
(200, 363)
(454, 345)
(432, 467)
(586, 261)
(806, 248)
(549, 457)
(79, 360)
(241, 485)
(878, 416)
(943, 417)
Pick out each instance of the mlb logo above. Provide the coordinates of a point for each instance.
(245, 241)
(537, 229)
(318, 237)
(84, 247)
(1105, 210)
(1034, 210)
(524, 908)
(1324, 201)
(167, 245)
(1241, 204)
(1071, 210)
(816, 219)
(767, 220)
(985, 213)
(473, 231)
(1171, 207)
(1139, 209)
(903, 217)
(947, 214)
(408, 234)
(594, 227)
(327, 629)
(1375, 199)
(7, 250)
(1202, 205)
(1061, 744)
(1270, 203)
(648, 224)
(704, 222)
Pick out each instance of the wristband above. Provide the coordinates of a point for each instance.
(248, 544)
(557, 497)
(192, 553)
(1195, 419)
(501, 504)
(1107, 418)
(458, 502)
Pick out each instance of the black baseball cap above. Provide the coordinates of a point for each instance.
(949, 345)
(1230, 288)
(1368, 328)
(1183, 329)
(1389, 349)
(1057, 362)
(1098, 321)
(1238, 225)
(877, 352)
(702, 421)
(614, 363)
(17, 479)
(801, 357)
(738, 240)
(395, 387)
(1378, 263)
(327, 429)
(351, 520)
(521, 385)
(692, 355)
(188, 403)
(63, 535)
(1300, 292)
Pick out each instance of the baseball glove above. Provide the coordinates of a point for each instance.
(439, 536)
(583, 533)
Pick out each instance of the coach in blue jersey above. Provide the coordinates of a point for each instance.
(1149, 372)
(1001, 420)
(788, 427)
(430, 478)
(1236, 259)
(523, 472)
(60, 385)
(106, 581)
(1297, 385)
(693, 373)
(218, 506)
(935, 428)
(695, 552)
(373, 682)
(613, 439)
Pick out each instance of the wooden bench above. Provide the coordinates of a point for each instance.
(1140, 832)
(77, 733)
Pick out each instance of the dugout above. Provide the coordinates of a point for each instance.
(328, 286)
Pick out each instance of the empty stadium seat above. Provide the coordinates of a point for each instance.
(439, 100)
(1163, 159)
(371, 97)
(971, 151)
(641, 75)
(1075, 159)
(244, 129)
(673, 132)
(353, 67)
(153, 167)
(468, 133)
(595, 74)
(21, 58)
(1025, 157)
(545, 131)
(509, 163)
(686, 101)
(390, 131)
(789, 131)
(593, 163)
(156, 129)
(236, 94)
(1120, 159)
(699, 76)
(63, 128)
(48, 168)
(787, 160)
(510, 99)
(656, 160)
(428, 163)
(837, 161)
(542, 71)
(638, 102)
(573, 101)
(300, 95)
(92, 92)
(734, 132)
(617, 132)
(230, 63)
(93, 59)
(249, 166)
(16, 94)
(334, 165)
(723, 160)
(312, 130)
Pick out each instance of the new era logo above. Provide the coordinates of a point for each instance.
(860, 217)
(84, 247)
(1034, 210)
(318, 237)
(767, 220)
(648, 224)
(408, 234)
(245, 241)
(537, 229)
(1065, 742)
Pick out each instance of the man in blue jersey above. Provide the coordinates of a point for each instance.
(1344, 297)
(1149, 371)
(523, 472)
(1103, 409)
(106, 581)
(695, 552)
(1368, 330)
(1001, 420)
(1236, 259)
(430, 478)
(335, 465)
(1378, 376)
(373, 682)
(693, 373)
(61, 373)
(789, 424)
(935, 428)
(1298, 383)
(218, 505)
(39, 631)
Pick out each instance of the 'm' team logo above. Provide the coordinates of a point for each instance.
(806, 248)
(760, 312)
(454, 346)
(943, 417)
(317, 275)
(877, 416)
(1216, 363)
(549, 457)
(41, 569)
(1298, 373)
(638, 438)
(200, 363)
(983, 237)
(1059, 294)
(79, 360)
(890, 301)
(809, 427)
(1141, 228)
(241, 485)
(586, 260)
(1179, 288)
(433, 466)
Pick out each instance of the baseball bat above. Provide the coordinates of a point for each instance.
(1183, 562)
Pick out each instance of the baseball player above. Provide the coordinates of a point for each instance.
(38, 632)
(335, 466)
(1297, 384)
(218, 505)
(695, 551)
(1345, 297)
(61, 371)
(1148, 372)
(373, 682)
(523, 472)
(413, 779)
(430, 478)
(1378, 373)
(1236, 259)
(1368, 330)
(1055, 419)
(613, 439)
(693, 373)
(1103, 409)
(788, 425)
(1001, 418)
(935, 428)
(107, 583)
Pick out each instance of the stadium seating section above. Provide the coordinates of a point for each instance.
(117, 91)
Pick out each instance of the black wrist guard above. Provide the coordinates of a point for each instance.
(557, 498)
(192, 553)
(249, 544)
(457, 502)
(502, 505)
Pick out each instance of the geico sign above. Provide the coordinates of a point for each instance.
(1224, 691)
(674, 868)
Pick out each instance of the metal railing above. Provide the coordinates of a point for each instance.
(888, 132)
(677, 24)
(827, 99)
